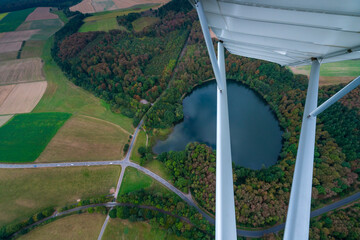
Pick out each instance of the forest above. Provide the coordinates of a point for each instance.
(125, 67)
(261, 197)
(11, 5)
(200, 228)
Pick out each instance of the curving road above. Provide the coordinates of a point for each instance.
(124, 163)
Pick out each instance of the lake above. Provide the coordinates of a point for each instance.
(255, 132)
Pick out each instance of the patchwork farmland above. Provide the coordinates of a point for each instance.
(21, 70)
(93, 6)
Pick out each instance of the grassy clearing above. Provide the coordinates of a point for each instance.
(2, 15)
(124, 229)
(32, 49)
(85, 139)
(26, 135)
(101, 25)
(63, 96)
(13, 19)
(24, 192)
(141, 23)
(158, 168)
(82, 226)
(134, 180)
(140, 141)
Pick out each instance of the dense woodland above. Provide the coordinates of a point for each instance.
(11, 5)
(261, 197)
(124, 67)
(341, 224)
(168, 201)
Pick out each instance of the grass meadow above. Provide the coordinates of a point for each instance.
(135, 180)
(12, 20)
(2, 15)
(85, 139)
(79, 226)
(63, 96)
(24, 192)
(140, 141)
(32, 49)
(25, 136)
(333, 73)
(124, 229)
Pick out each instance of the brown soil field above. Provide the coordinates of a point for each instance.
(17, 36)
(41, 13)
(5, 91)
(10, 47)
(23, 98)
(2, 34)
(85, 139)
(21, 70)
(4, 119)
(129, 3)
(329, 80)
(84, 6)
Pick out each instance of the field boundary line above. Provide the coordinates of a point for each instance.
(111, 123)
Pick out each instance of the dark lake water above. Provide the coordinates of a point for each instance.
(255, 132)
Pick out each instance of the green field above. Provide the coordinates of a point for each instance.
(124, 229)
(24, 192)
(140, 141)
(63, 96)
(159, 168)
(113, 14)
(134, 180)
(140, 23)
(32, 49)
(337, 69)
(101, 25)
(24, 137)
(2, 15)
(79, 226)
(13, 20)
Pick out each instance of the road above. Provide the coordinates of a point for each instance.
(124, 163)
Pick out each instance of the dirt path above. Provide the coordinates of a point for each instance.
(113, 124)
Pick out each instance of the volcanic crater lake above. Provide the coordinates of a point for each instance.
(254, 130)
